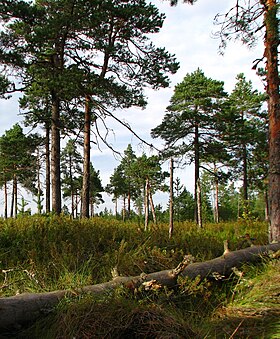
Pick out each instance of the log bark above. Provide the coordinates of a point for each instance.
(24, 308)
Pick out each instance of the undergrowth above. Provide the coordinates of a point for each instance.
(43, 253)
(253, 310)
(246, 307)
(49, 253)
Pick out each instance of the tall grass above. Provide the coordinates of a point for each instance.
(43, 253)
(50, 252)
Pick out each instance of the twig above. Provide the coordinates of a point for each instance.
(237, 328)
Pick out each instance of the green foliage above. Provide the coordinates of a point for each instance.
(66, 49)
(184, 204)
(243, 127)
(43, 253)
(195, 103)
(131, 176)
(5, 86)
(58, 249)
(17, 158)
(253, 309)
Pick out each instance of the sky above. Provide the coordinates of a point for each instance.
(187, 32)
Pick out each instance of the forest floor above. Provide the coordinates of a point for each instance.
(254, 312)
(48, 253)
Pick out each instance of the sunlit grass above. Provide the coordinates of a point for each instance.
(46, 253)
(59, 252)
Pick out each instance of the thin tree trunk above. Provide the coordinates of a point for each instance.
(48, 169)
(91, 208)
(273, 80)
(216, 201)
(72, 186)
(86, 166)
(73, 204)
(16, 195)
(77, 203)
(12, 200)
(116, 206)
(245, 180)
(199, 207)
(55, 155)
(216, 208)
(152, 206)
(171, 196)
(146, 204)
(5, 199)
(197, 194)
(266, 208)
(39, 198)
(124, 209)
(128, 203)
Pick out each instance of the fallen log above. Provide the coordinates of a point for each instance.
(24, 308)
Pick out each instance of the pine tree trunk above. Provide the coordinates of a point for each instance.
(199, 204)
(146, 204)
(55, 155)
(39, 198)
(86, 167)
(48, 169)
(124, 209)
(197, 195)
(73, 204)
(216, 208)
(5, 200)
(76, 204)
(245, 179)
(273, 80)
(16, 195)
(216, 196)
(128, 204)
(116, 206)
(72, 187)
(152, 206)
(12, 201)
(92, 208)
(266, 208)
(171, 196)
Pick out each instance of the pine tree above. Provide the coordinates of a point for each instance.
(76, 50)
(18, 162)
(241, 130)
(71, 161)
(96, 189)
(190, 122)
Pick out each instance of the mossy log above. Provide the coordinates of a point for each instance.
(25, 308)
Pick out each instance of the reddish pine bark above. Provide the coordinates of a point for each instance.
(271, 54)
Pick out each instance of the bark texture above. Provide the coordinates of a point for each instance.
(86, 167)
(48, 169)
(55, 155)
(271, 54)
(25, 308)
(171, 196)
